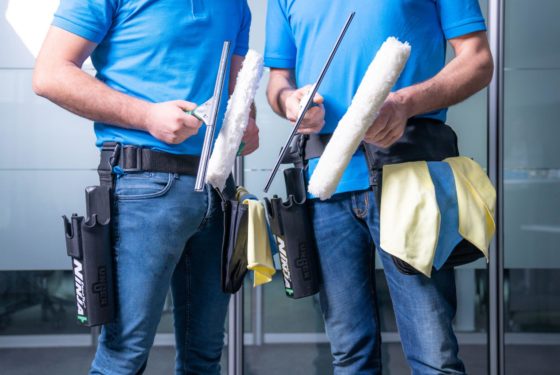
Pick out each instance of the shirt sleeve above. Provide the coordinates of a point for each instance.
(242, 42)
(90, 19)
(460, 17)
(280, 49)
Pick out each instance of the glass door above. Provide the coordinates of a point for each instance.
(531, 186)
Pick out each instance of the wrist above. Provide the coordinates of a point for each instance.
(405, 101)
(253, 113)
(142, 115)
(283, 96)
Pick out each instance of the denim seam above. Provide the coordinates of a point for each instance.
(357, 211)
(114, 246)
(187, 305)
(139, 176)
(373, 287)
(166, 188)
(115, 230)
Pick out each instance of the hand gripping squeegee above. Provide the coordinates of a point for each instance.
(208, 113)
(308, 100)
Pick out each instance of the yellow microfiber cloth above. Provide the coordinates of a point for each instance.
(259, 253)
(477, 201)
(409, 217)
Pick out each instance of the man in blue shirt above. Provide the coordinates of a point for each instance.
(299, 38)
(154, 60)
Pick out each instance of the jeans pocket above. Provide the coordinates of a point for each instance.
(143, 185)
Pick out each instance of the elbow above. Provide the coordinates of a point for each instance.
(487, 68)
(43, 79)
(40, 83)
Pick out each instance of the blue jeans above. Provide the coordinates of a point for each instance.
(165, 235)
(347, 232)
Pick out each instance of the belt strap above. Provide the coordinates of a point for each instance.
(315, 145)
(305, 147)
(136, 159)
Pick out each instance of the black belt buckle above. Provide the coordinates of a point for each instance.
(110, 152)
(136, 158)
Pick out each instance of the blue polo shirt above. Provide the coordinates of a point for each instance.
(300, 35)
(158, 50)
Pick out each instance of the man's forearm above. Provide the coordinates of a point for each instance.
(462, 77)
(86, 96)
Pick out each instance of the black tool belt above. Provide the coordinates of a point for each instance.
(423, 140)
(137, 159)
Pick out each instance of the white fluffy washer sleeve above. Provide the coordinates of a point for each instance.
(374, 89)
(235, 120)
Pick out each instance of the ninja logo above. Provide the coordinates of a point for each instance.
(284, 262)
(79, 285)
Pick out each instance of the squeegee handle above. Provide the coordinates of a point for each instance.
(211, 126)
(309, 102)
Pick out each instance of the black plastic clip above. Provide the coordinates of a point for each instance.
(132, 155)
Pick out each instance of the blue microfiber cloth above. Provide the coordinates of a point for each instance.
(446, 196)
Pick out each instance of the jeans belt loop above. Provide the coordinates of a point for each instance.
(137, 159)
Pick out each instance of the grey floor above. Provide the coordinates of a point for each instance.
(273, 359)
(281, 315)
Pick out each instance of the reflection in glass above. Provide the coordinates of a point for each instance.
(531, 187)
(38, 302)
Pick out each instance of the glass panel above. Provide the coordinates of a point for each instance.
(27, 119)
(32, 202)
(38, 303)
(532, 183)
(531, 32)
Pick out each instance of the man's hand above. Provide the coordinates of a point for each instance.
(169, 123)
(389, 125)
(250, 140)
(314, 119)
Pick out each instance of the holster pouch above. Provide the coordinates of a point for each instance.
(88, 243)
(234, 245)
(292, 226)
(427, 140)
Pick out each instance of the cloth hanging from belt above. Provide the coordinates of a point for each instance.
(427, 208)
(259, 249)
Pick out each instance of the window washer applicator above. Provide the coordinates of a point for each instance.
(235, 121)
(374, 89)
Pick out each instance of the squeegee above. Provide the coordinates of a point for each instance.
(236, 119)
(308, 100)
(209, 118)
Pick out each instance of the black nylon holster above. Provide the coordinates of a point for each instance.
(89, 244)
